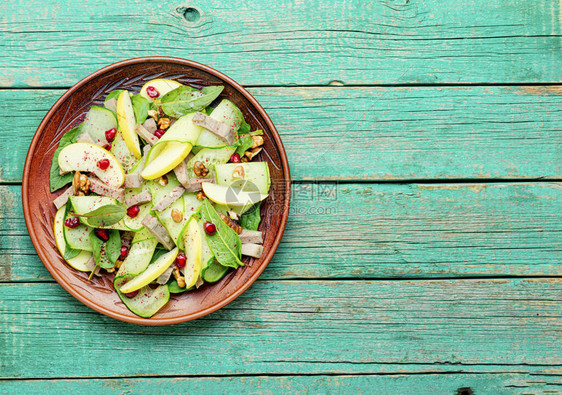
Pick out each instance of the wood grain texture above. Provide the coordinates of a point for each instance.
(381, 231)
(308, 42)
(293, 327)
(374, 133)
(414, 384)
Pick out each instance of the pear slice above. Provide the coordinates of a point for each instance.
(127, 124)
(84, 157)
(151, 273)
(162, 85)
(230, 196)
(193, 252)
(172, 148)
(82, 261)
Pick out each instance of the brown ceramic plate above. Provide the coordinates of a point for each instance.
(68, 112)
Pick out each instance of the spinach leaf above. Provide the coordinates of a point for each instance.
(56, 180)
(257, 132)
(225, 243)
(113, 94)
(158, 252)
(140, 108)
(251, 219)
(185, 99)
(106, 253)
(105, 215)
(244, 128)
(244, 144)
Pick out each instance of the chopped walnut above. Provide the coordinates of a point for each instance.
(179, 278)
(237, 228)
(153, 114)
(81, 184)
(244, 159)
(200, 170)
(118, 263)
(200, 195)
(176, 215)
(258, 141)
(162, 180)
(238, 172)
(250, 154)
(164, 123)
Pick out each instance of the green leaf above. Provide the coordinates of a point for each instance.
(251, 219)
(105, 215)
(106, 253)
(185, 99)
(113, 94)
(244, 144)
(56, 180)
(244, 128)
(257, 132)
(140, 108)
(174, 288)
(158, 252)
(225, 243)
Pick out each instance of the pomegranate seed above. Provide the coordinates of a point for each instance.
(152, 92)
(124, 252)
(71, 222)
(107, 147)
(210, 228)
(181, 260)
(101, 234)
(132, 294)
(133, 211)
(235, 158)
(159, 133)
(103, 164)
(110, 134)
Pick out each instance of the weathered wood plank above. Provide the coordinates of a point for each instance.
(375, 133)
(381, 231)
(311, 42)
(443, 383)
(292, 327)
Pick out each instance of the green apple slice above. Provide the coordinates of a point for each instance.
(231, 196)
(193, 242)
(126, 119)
(248, 176)
(168, 157)
(85, 157)
(151, 273)
(162, 85)
(82, 261)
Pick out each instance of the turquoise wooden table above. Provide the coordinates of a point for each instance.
(423, 250)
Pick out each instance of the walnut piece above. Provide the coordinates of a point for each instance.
(153, 114)
(238, 172)
(177, 215)
(237, 228)
(200, 195)
(258, 141)
(250, 154)
(81, 184)
(164, 123)
(200, 170)
(179, 278)
(162, 180)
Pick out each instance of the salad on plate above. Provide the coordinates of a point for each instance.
(162, 191)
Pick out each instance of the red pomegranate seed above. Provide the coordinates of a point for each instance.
(101, 234)
(132, 294)
(103, 164)
(133, 211)
(110, 134)
(159, 133)
(181, 260)
(235, 158)
(124, 252)
(152, 92)
(107, 147)
(210, 228)
(71, 222)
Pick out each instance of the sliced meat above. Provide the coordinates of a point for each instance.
(63, 198)
(170, 198)
(150, 125)
(146, 135)
(218, 128)
(140, 198)
(159, 232)
(253, 250)
(194, 184)
(111, 104)
(181, 173)
(164, 277)
(251, 236)
(133, 180)
(99, 187)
